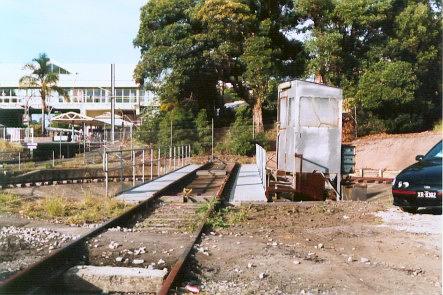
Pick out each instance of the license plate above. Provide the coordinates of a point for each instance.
(427, 194)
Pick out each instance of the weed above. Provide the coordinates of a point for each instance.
(205, 207)
(227, 217)
(236, 216)
(48, 166)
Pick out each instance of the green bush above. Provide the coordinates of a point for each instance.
(203, 127)
(240, 139)
(148, 131)
(184, 130)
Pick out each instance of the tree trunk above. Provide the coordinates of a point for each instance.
(257, 116)
(43, 116)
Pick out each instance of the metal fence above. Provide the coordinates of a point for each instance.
(17, 134)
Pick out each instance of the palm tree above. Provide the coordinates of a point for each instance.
(43, 78)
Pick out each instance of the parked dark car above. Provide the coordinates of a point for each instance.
(420, 185)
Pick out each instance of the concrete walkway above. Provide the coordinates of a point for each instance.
(145, 191)
(248, 186)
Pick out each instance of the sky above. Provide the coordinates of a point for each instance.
(69, 31)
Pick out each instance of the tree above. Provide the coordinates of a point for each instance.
(189, 47)
(387, 90)
(172, 63)
(44, 79)
(350, 40)
(258, 57)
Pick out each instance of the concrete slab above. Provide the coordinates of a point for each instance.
(147, 190)
(88, 278)
(248, 186)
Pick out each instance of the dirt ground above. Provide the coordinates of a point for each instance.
(322, 248)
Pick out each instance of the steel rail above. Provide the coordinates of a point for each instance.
(175, 270)
(40, 274)
(371, 179)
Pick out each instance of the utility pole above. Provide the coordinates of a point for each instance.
(112, 102)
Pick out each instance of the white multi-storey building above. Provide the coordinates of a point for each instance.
(88, 87)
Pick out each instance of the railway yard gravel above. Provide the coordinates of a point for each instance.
(25, 241)
(326, 247)
(321, 248)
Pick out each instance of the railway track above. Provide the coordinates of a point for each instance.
(157, 233)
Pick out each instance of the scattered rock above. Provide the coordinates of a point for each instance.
(364, 260)
(119, 259)
(262, 275)
(191, 288)
(113, 245)
(137, 261)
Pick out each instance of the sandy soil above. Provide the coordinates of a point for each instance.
(393, 152)
(322, 248)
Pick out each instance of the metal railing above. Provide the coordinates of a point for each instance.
(260, 160)
(143, 163)
(75, 100)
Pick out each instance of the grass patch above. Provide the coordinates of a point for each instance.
(6, 146)
(89, 210)
(10, 203)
